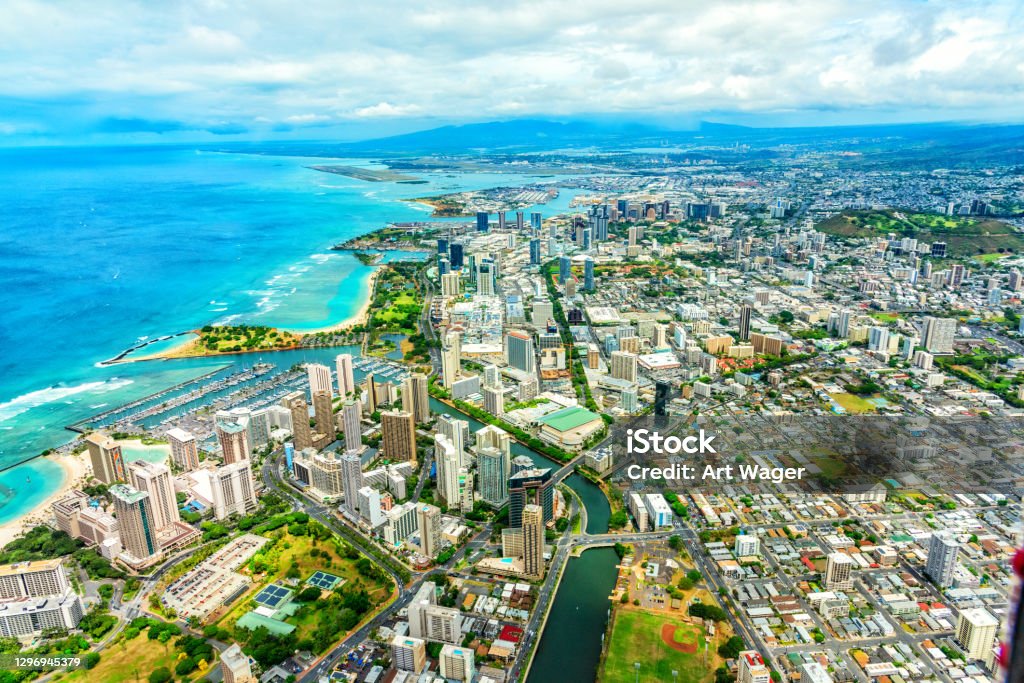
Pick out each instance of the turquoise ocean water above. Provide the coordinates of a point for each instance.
(100, 247)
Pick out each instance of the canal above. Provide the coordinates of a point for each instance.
(570, 647)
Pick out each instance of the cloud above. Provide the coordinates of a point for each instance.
(242, 66)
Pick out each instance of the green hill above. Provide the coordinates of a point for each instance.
(964, 236)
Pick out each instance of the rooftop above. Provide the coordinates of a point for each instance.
(569, 418)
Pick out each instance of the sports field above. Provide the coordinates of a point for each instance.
(662, 644)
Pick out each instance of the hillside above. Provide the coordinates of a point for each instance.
(964, 236)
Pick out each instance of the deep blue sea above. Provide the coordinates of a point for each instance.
(100, 247)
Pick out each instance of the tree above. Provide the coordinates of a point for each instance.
(694, 575)
(309, 594)
(675, 542)
(731, 648)
(160, 675)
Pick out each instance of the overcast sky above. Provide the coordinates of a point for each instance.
(232, 70)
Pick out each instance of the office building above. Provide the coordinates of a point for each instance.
(942, 556)
(564, 270)
(409, 654)
(107, 460)
(184, 453)
(482, 221)
(839, 572)
(456, 663)
(745, 311)
(302, 433)
(415, 398)
(662, 395)
(588, 275)
(398, 435)
(976, 632)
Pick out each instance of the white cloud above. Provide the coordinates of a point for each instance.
(266, 60)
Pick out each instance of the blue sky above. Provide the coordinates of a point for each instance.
(222, 70)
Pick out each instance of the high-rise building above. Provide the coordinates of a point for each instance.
(662, 396)
(839, 572)
(482, 221)
(409, 654)
(451, 360)
(346, 376)
(942, 555)
(938, 334)
(623, 365)
(323, 413)
(451, 284)
(107, 460)
(747, 545)
(184, 453)
(351, 412)
(302, 433)
(588, 275)
(535, 221)
(137, 528)
(457, 431)
(494, 400)
(493, 467)
(564, 270)
(535, 253)
(156, 480)
(745, 311)
(319, 378)
(234, 665)
(455, 252)
(448, 461)
(78, 519)
(533, 541)
(428, 521)
(234, 492)
(35, 597)
(398, 435)
(519, 351)
(351, 480)
(456, 663)
(751, 668)
(370, 506)
(430, 621)
(234, 441)
(415, 397)
(530, 486)
(976, 633)
(35, 579)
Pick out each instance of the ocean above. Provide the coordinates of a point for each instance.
(101, 247)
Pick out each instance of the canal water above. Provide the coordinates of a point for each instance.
(570, 648)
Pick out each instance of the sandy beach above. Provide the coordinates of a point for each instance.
(360, 317)
(76, 469)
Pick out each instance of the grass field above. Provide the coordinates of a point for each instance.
(638, 637)
(854, 405)
(131, 660)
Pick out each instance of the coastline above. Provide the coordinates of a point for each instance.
(75, 469)
(360, 317)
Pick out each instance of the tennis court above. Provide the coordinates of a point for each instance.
(272, 596)
(323, 580)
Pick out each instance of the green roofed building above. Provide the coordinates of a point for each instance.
(570, 427)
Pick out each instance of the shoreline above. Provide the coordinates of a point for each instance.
(75, 468)
(360, 317)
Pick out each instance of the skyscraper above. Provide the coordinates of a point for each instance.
(942, 555)
(519, 351)
(535, 251)
(234, 441)
(135, 524)
(456, 663)
(623, 365)
(346, 377)
(494, 400)
(451, 359)
(588, 275)
(184, 453)
(319, 378)
(350, 425)
(323, 412)
(839, 572)
(939, 334)
(156, 480)
(493, 466)
(107, 460)
(535, 221)
(457, 432)
(415, 397)
(408, 654)
(352, 480)
(456, 255)
(428, 521)
(531, 486)
(302, 433)
(662, 396)
(448, 461)
(564, 269)
(482, 222)
(398, 435)
(533, 541)
(751, 668)
(745, 311)
(976, 632)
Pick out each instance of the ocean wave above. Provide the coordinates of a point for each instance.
(18, 405)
